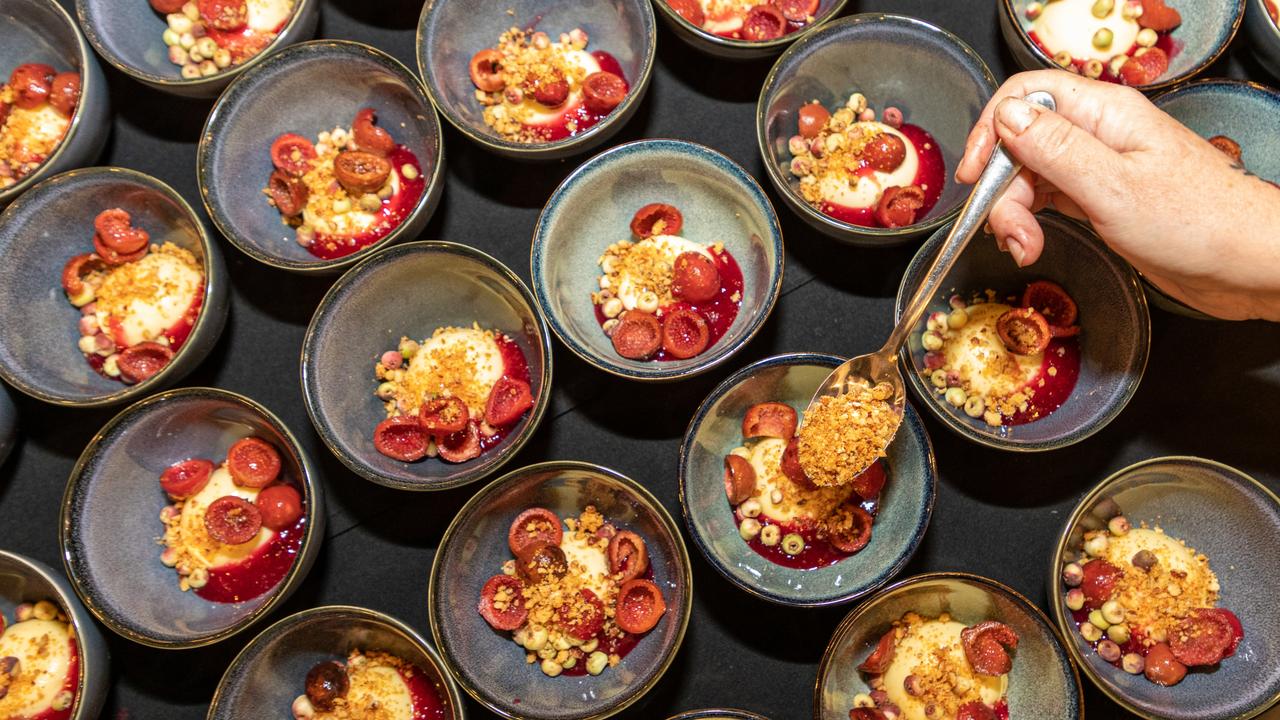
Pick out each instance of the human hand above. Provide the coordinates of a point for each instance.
(1188, 217)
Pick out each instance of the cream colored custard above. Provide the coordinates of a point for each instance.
(30, 136)
(931, 650)
(666, 248)
(139, 301)
(587, 559)
(190, 538)
(532, 112)
(376, 691)
(462, 362)
(44, 652)
(268, 15)
(724, 17)
(981, 359)
(863, 190)
(1070, 25)
(780, 499)
(1180, 580)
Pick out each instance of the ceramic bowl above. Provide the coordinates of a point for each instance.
(1263, 33)
(1207, 29)
(271, 670)
(129, 37)
(449, 33)
(111, 510)
(42, 31)
(1232, 519)
(487, 664)
(306, 89)
(593, 207)
(410, 290)
(1241, 111)
(52, 223)
(1114, 342)
(8, 423)
(905, 505)
(718, 714)
(938, 82)
(1043, 683)
(23, 580)
(732, 49)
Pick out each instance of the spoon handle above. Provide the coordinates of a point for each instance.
(996, 178)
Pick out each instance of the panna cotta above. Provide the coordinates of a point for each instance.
(1125, 41)
(370, 685)
(39, 664)
(750, 20)
(36, 107)
(205, 37)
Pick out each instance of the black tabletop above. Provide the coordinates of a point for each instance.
(1211, 390)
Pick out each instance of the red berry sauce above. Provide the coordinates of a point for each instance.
(583, 118)
(71, 684)
(515, 367)
(427, 704)
(177, 335)
(1063, 356)
(260, 572)
(930, 176)
(394, 210)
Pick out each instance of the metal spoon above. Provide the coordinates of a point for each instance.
(881, 366)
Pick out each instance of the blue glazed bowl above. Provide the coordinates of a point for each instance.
(307, 89)
(23, 580)
(450, 32)
(1264, 35)
(938, 82)
(1229, 517)
(905, 505)
(52, 223)
(492, 668)
(271, 670)
(732, 49)
(1114, 342)
(410, 290)
(1043, 683)
(111, 510)
(718, 714)
(1208, 27)
(128, 36)
(8, 423)
(41, 31)
(593, 207)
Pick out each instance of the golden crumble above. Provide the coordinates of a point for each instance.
(25, 683)
(368, 688)
(27, 137)
(530, 60)
(843, 435)
(455, 369)
(142, 280)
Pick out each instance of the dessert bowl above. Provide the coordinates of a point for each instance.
(111, 518)
(269, 673)
(24, 583)
(593, 207)
(450, 33)
(1226, 516)
(732, 48)
(1264, 34)
(905, 504)
(1043, 681)
(486, 663)
(41, 31)
(718, 714)
(1207, 28)
(411, 290)
(1113, 344)
(306, 89)
(129, 36)
(54, 222)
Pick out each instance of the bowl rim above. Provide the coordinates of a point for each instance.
(646, 498)
(761, 46)
(75, 613)
(717, 714)
(392, 623)
(1262, 7)
(848, 232)
(556, 148)
(298, 52)
(1132, 288)
(1054, 588)
(205, 320)
(87, 81)
(1010, 15)
(301, 9)
(682, 476)
(744, 180)
(297, 571)
(392, 254)
(985, 583)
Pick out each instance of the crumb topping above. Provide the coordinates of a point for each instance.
(941, 676)
(842, 435)
(34, 659)
(27, 137)
(455, 362)
(375, 677)
(144, 280)
(530, 60)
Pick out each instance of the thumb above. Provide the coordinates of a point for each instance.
(1064, 155)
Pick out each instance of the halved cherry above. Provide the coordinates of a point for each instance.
(486, 70)
(656, 219)
(628, 555)
(553, 92)
(899, 205)
(142, 361)
(1024, 331)
(1145, 68)
(225, 15)
(763, 22)
(64, 93)
(183, 479)
(535, 526)
(508, 592)
(694, 277)
(603, 91)
(976, 710)
(288, 193)
(327, 682)
(791, 465)
(32, 83)
(1227, 146)
(402, 438)
(77, 269)
(508, 401)
(167, 7)
(461, 446)
(739, 479)
(115, 228)
(797, 10)
(280, 505)
(1204, 637)
(292, 154)
(885, 152)
(253, 462)
(637, 336)
(770, 419)
(542, 562)
(685, 333)
(584, 618)
(369, 136)
(987, 646)
(812, 119)
(444, 415)
(232, 520)
(114, 257)
(853, 530)
(690, 10)
(361, 172)
(639, 606)
(1162, 668)
(1100, 578)
(1158, 16)
(880, 658)
(1050, 300)
(870, 482)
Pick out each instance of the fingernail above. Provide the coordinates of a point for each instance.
(1015, 249)
(1015, 115)
(1003, 244)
